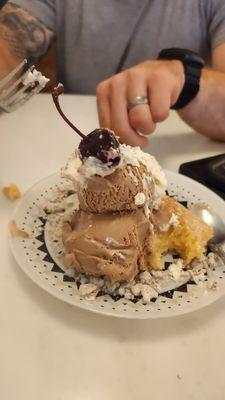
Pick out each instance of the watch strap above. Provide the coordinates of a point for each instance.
(191, 87)
(193, 65)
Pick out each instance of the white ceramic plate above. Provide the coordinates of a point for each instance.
(38, 257)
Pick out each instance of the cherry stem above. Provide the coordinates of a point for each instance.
(55, 95)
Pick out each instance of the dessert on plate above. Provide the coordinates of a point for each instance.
(125, 221)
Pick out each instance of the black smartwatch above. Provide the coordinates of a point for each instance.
(193, 65)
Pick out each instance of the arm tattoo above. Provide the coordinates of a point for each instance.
(24, 34)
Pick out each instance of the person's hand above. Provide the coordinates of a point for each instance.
(160, 81)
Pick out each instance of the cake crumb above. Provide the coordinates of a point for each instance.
(12, 192)
(148, 293)
(15, 231)
(88, 291)
(128, 295)
(145, 277)
(212, 260)
(175, 269)
(214, 286)
(198, 275)
(136, 289)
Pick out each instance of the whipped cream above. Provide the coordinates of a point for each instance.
(132, 176)
(79, 172)
(135, 156)
(174, 220)
(33, 77)
(113, 242)
(140, 199)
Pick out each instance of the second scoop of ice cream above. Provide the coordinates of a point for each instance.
(138, 181)
(125, 189)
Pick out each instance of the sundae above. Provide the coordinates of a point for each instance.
(125, 221)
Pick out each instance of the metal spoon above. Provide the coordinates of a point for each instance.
(209, 216)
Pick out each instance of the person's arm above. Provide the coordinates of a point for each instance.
(206, 113)
(21, 36)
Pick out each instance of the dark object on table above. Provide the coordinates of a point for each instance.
(208, 171)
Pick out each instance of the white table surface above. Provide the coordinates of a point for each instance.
(50, 350)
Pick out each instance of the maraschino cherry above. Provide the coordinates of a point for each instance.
(100, 143)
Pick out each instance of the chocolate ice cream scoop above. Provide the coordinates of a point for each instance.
(100, 143)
